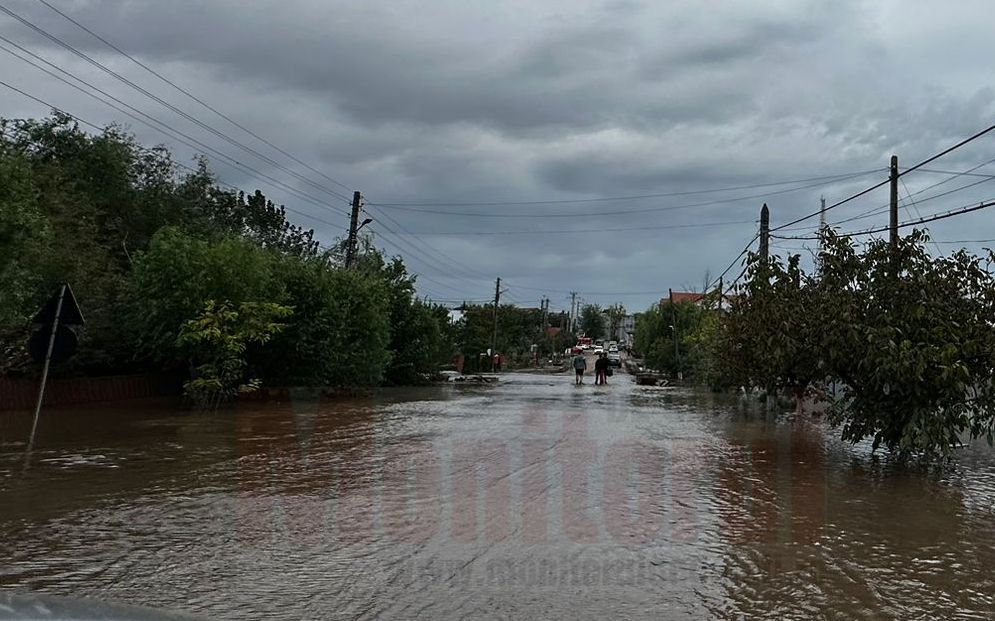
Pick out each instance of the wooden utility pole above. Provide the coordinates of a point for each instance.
(893, 225)
(350, 251)
(497, 301)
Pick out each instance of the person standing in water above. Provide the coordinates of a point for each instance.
(601, 369)
(580, 365)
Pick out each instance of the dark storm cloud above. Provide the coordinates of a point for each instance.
(455, 101)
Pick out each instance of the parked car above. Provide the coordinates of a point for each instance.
(613, 348)
(614, 359)
(598, 350)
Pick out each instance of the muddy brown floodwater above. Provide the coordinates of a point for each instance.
(529, 499)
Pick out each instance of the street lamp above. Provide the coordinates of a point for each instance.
(365, 222)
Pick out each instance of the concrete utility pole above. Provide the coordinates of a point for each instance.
(822, 228)
(497, 301)
(764, 234)
(573, 311)
(350, 251)
(673, 318)
(893, 226)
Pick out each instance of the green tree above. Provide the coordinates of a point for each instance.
(216, 342)
(615, 314)
(339, 334)
(909, 336)
(592, 321)
(655, 336)
(173, 281)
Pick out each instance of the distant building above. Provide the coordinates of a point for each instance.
(699, 299)
(626, 329)
(685, 296)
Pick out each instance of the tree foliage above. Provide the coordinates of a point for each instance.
(216, 342)
(614, 314)
(149, 250)
(906, 335)
(654, 337)
(592, 321)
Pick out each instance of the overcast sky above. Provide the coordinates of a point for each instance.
(445, 104)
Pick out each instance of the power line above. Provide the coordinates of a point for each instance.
(745, 250)
(428, 247)
(630, 211)
(881, 208)
(152, 122)
(932, 218)
(886, 181)
(958, 174)
(916, 207)
(181, 165)
(194, 97)
(599, 230)
(416, 253)
(168, 105)
(620, 198)
(941, 216)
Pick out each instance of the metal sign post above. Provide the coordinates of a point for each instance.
(52, 317)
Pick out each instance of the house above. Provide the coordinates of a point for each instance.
(679, 297)
(699, 299)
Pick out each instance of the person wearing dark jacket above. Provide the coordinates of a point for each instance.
(601, 370)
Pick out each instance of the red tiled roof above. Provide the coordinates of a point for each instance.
(684, 296)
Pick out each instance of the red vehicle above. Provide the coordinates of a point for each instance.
(584, 342)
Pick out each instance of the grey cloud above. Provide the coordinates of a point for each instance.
(455, 101)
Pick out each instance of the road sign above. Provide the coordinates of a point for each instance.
(52, 340)
(70, 315)
(63, 347)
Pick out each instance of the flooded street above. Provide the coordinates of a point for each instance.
(528, 499)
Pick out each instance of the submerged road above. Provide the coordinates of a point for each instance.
(532, 498)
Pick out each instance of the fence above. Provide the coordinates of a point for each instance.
(20, 394)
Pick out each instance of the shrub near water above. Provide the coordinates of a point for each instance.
(908, 336)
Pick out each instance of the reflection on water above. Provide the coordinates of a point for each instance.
(533, 498)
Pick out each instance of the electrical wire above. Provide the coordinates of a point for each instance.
(428, 247)
(932, 158)
(932, 218)
(632, 211)
(179, 164)
(168, 105)
(193, 97)
(417, 254)
(599, 230)
(841, 176)
(152, 122)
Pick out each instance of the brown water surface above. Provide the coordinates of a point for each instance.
(529, 499)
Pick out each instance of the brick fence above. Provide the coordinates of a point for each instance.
(20, 394)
